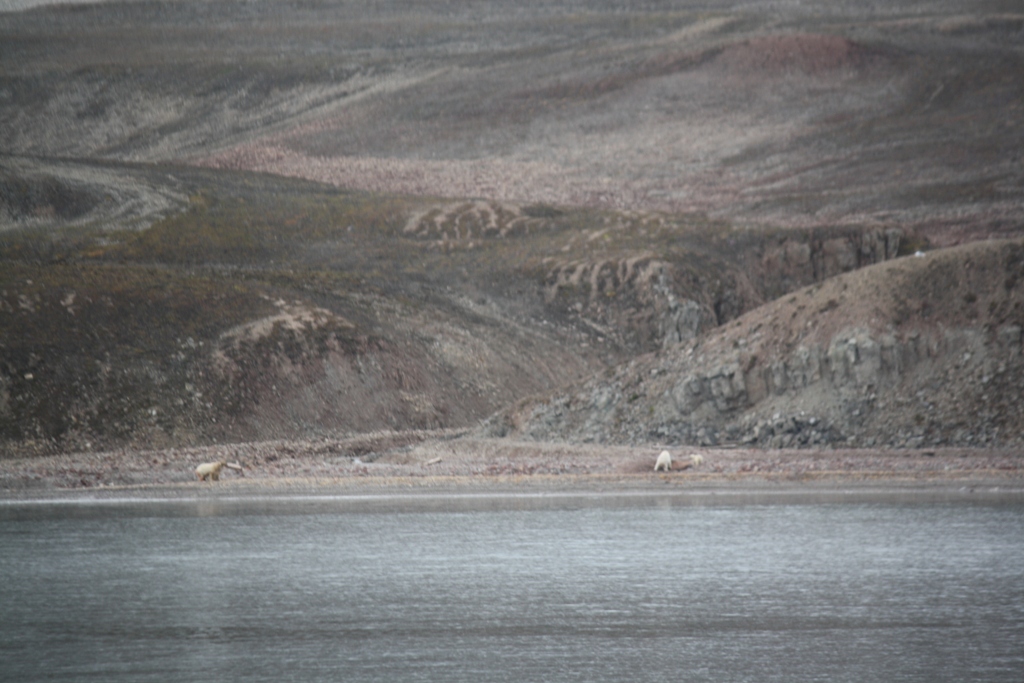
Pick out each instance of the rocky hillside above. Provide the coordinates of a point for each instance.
(231, 222)
(271, 308)
(920, 351)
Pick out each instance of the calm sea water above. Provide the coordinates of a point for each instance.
(18, 5)
(484, 590)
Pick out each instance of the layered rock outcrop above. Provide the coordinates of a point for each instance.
(916, 352)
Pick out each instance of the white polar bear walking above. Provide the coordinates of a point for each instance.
(664, 462)
(210, 471)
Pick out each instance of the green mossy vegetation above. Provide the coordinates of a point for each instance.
(256, 231)
(101, 327)
(91, 349)
(127, 305)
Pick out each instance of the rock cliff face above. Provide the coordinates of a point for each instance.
(669, 295)
(920, 351)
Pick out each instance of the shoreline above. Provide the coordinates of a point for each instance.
(446, 467)
(539, 491)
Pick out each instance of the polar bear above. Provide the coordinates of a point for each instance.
(210, 471)
(664, 462)
(697, 459)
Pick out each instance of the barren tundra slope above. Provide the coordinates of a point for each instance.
(609, 222)
(811, 113)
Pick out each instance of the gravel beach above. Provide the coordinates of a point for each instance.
(449, 464)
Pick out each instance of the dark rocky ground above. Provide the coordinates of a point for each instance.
(566, 222)
(922, 351)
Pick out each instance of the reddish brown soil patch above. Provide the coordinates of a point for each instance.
(803, 53)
